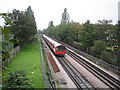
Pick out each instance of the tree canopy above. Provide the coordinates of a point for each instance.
(94, 39)
(24, 24)
(65, 16)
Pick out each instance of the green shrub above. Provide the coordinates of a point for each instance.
(15, 42)
(17, 79)
(106, 56)
(99, 46)
(33, 41)
(6, 46)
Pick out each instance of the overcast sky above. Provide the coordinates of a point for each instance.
(51, 10)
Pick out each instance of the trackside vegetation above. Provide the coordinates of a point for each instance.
(99, 39)
(20, 30)
(28, 64)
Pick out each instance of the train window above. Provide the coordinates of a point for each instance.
(61, 48)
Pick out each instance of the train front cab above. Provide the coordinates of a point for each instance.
(60, 50)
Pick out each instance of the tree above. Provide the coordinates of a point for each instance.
(97, 37)
(65, 17)
(111, 38)
(99, 46)
(5, 32)
(107, 56)
(87, 35)
(24, 25)
(103, 29)
(118, 40)
(118, 34)
(50, 24)
(30, 15)
(64, 32)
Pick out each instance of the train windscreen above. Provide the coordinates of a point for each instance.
(61, 48)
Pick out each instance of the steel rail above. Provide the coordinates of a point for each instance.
(78, 80)
(106, 78)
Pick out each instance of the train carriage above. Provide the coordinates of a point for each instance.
(56, 47)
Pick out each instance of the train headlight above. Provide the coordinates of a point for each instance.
(57, 49)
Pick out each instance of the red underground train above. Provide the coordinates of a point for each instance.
(57, 48)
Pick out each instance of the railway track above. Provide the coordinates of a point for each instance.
(76, 77)
(81, 82)
(103, 76)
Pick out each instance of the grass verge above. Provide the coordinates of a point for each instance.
(29, 61)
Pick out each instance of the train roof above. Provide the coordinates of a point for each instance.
(52, 41)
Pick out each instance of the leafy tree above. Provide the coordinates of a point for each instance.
(50, 24)
(65, 32)
(118, 34)
(104, 21)
(65, 16)
(30, 15)
(24, 24)
(106, 56)
(103, 28)
(87, 34)
(111, 39)
(5, 31)
(39, 31)
(118, 44)
(5, 34)
(99, 46)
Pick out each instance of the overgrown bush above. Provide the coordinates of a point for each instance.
(6, 46)
(15, 42)
(106, 56)
(99, 46)
(33, 40)
(18, 79)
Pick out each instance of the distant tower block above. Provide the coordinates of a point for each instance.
(119, 11)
